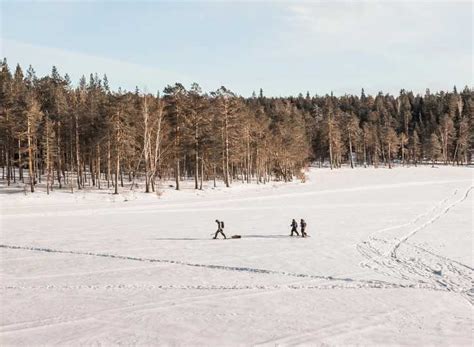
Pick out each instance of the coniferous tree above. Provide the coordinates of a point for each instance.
(33, 116)
(88, 135)
(175, 97)
(434, 148)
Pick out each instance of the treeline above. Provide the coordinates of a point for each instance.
(90, 135)
(410, 129)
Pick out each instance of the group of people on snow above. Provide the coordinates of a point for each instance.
(294, 228)
(293, 225)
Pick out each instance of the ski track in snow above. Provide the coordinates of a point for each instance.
(223, 292)
(413, 263)
(331, 331)
(163, 304)
(344, 283)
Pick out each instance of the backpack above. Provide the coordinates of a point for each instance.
(222, 225)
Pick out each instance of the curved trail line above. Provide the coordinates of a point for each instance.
(415, 220)
(353, 282)
(441, 257)
(410, 262)
(430, 221)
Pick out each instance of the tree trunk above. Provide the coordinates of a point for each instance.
(177, 163)
(7, 154)
(226, 151)
(456, 154)
(20, 162)
(92, 169)
(196, 157)
(330, 142)
(78, 158)
(376, 158)
(202, 171)
(248, 157)
(403, 152)
(30, 156)
(350, 151)
(389, 157)
(446, 147)
(146, 145)
(58, 146)
(98, 166)
(117, 168)
(215, 176)
(109, 162)
(48, 153)
(71, 160)
(257, 165)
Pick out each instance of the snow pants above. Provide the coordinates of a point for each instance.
(217, 233)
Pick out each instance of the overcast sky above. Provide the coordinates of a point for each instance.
(283, 47)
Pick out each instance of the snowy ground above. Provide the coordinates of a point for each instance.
(389, 261)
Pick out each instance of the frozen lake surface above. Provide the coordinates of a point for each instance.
(389, 261)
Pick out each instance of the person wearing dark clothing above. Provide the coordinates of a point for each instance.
(303, 227)
(294, 227)
(220, 227)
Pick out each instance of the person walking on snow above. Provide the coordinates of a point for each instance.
(303, 227)
(220, 227)
(294, 227)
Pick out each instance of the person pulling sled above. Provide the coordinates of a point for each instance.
(220, 227)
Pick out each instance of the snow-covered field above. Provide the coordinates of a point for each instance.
(389, 261)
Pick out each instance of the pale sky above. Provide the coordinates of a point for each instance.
(284, 47)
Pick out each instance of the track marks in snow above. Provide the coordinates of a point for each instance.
(430, 221)
(119, 287)
(417, 267)
(122, 310)
(330, 332)
(217, 292)
(86, 273)
(416, 264)
(345, 282)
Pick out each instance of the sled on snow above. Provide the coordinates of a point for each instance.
(232, 237)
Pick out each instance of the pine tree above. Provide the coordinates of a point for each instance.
(175, 109)
(353, 133)
(446, 131)
(435, 148)
(227, 110)
(89, 133)
(195, 123)
(414, 147)
(7, 121)
(33, 116)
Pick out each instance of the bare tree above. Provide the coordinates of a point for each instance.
(33, 117)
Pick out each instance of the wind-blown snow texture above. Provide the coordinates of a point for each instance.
(389, 261)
